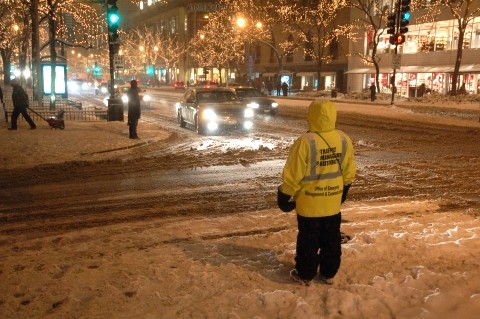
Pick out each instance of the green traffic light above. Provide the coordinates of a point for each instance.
(113, 17)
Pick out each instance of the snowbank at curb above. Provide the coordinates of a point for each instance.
(79, 141)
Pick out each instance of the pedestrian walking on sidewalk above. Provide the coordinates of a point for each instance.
(20, 105)
(316, 178)
(133, 109)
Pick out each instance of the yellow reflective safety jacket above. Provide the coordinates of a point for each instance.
(319, 164)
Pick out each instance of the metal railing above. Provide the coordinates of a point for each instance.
(73, 110)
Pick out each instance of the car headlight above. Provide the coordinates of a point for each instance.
(125, 98)
(248, 113)
(209, 115)
(73, 86)
(274, 104)
(253, 105)
(103, 89)
(147, 98)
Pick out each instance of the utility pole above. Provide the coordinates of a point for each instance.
(397, 24)
(115, 105)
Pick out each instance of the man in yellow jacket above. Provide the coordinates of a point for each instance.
(316, 178)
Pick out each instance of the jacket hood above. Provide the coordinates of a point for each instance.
(322, 115)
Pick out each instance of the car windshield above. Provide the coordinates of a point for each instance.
(248, 93)
(216, 96)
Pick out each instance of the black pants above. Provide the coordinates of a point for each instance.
(16, 113)
(132, 128)
(318, 246)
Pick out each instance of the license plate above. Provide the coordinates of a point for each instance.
(232, 122)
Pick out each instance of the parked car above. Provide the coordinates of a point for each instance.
(179, 85)
(256, 100)
(212, 110)
(121, 92)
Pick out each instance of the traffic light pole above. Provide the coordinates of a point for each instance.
(394, 88)
(397, 24)
(111, 54)
(115, 105)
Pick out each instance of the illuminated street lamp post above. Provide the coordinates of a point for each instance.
(242, 24)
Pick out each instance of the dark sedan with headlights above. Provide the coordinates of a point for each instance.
(121, 92)
(256, 100)
(212, 110)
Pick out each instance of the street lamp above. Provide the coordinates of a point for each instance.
(242, 24)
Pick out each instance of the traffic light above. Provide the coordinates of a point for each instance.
(113, 19)
(150, 70)
(96, 69)
(404, 15)
(391, 23)
(400, 39)
(392, 39)
(397, 39)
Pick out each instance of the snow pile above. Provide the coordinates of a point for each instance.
(433, 98)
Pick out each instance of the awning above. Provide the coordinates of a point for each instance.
(414, 69)
(269, 74)
(470, 68)
(440, 69)
(286, 72)
(306, 73)
(368, 70)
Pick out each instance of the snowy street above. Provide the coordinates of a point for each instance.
(176, 225)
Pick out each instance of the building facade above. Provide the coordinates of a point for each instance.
(186, 17)
(427, 58)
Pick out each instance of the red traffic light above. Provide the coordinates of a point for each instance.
(397, 39)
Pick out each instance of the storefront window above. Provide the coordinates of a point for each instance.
(411, 44)
(443, 35)
(426, 37)
(476, 33)
(438, 36)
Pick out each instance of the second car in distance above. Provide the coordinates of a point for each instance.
(256, 100)
(212, 110)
